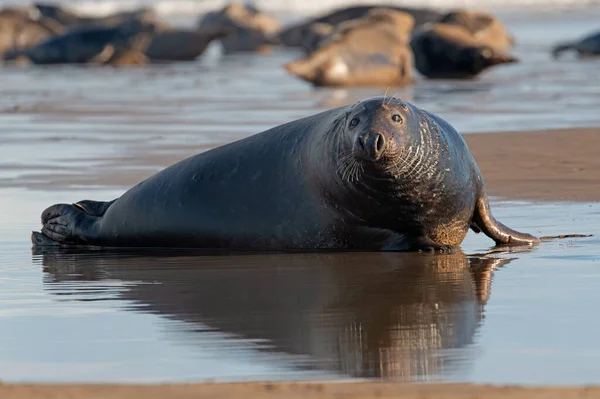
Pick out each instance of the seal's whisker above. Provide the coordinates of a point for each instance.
(385, 94)
(348, 168)
(392, 97)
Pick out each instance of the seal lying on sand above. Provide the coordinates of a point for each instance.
(314, 35)
(294, 36)
(22, 28)
(94, 44)
(378, 175)
(484, 27)
(251, 29)
(589, 46)
(182, 44)
(447, 51)
(368, 51)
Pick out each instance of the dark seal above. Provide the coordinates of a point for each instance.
(378, 175)
(92, 44)
(450, 51)
(586, 47)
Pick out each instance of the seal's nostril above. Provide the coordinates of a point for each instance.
(379, 142)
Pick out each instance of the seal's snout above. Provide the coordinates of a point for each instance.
(370, 145)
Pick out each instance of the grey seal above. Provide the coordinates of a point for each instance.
(449, 51)
(373, 50)
(587, 47)
(93, 44)
(379, 175)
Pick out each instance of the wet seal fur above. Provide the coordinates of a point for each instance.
(93, 44)
(381, 175)
(251, 30)
(368, 51)
(450, 51)
(295, 35)
(587, 47)
(484, 27)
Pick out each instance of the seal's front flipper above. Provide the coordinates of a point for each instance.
(67, 224)
(501, 234)
(103, 56)
(94, 208)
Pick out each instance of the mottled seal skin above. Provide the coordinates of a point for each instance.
(94, 44)
(251, 29)
(294, 35)
(379, 175)
(447, 51)
(587, 47)
(373, 50)
(484, 27)
(22, 27)
(314, 35)
(182, 44)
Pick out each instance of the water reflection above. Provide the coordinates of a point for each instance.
(364, 315)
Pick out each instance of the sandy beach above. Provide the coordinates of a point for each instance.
(536, 165)
(549, 165)
(367, 390)
(514, 324)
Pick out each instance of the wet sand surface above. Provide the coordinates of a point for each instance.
(481, 316)
(294, 390)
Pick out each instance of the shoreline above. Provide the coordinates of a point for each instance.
(292, 390)
(542, 165)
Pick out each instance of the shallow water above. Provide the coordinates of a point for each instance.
(70, 133)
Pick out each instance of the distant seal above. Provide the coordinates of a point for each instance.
(587, 47)
(378, 175)
(485, 28)
(372, 50)
(314, 35)
(294, 36)
(182, 44)
(448, 51)
(71, 19)
(22, 28)
(94, 44)
(251, 29)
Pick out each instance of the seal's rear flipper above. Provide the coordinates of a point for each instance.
(94, 208)
(558, 49)
(498, 232)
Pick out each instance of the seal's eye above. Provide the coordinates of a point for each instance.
(354, 122)
(397, 118)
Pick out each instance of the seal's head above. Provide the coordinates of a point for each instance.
(379, 129)
(477, 59)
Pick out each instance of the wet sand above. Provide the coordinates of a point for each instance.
(66, 139)
(549, 165)
(294, 390)
(553, 165)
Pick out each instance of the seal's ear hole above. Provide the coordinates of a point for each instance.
(397, 118)
(354, 122)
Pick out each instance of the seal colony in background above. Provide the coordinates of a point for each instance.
(379, 175)
(378, 44)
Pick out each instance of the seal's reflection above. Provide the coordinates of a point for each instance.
(405, 316)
